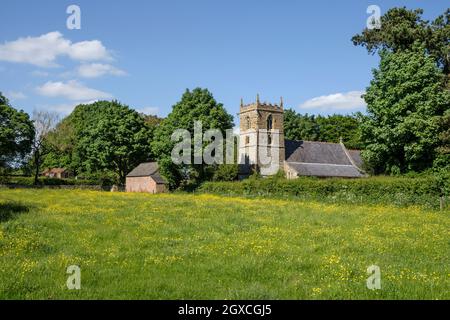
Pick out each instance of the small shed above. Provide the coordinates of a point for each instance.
(146, 178)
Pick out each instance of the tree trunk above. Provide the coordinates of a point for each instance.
(36, 164)
(442, 202)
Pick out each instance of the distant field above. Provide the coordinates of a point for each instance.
(210, 247)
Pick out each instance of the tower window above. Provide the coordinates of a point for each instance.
(269, 122)
(269, 139)
(247, 140)
(247, 121)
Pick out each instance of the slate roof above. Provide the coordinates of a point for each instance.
(322, 159)
(148, 169)
(315, 152)
(356, 156)
(325, 170)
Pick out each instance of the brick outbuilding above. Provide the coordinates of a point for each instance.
(146, 178)
(56, 173)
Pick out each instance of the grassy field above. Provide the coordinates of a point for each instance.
(183, 246)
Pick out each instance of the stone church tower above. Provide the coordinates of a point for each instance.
(261, 141)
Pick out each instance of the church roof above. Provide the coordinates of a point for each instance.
(325, 170)
(322, 159)
(315, 152)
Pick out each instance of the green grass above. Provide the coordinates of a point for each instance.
(184, 246)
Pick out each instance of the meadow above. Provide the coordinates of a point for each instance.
(185, 246)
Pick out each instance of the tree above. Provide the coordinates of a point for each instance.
(443, 150)
(405, 104)
(226, 172)
(44, 122)
(196, 105)
(61, 143)
(322, 128)
(300, 127)
(16, 134)
(64, 140)
(402, 28)
(152, 120)
(117, 139)
(335, 128)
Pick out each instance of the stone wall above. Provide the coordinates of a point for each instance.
(143, 184)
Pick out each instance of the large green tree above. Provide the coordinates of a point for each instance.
(402, 28)
(330, 128)
(16, 134)
(196, 105)
(300, 127)
(405, 105)
(64, 139)
(336, 127)
(104, 140)
(117, 141)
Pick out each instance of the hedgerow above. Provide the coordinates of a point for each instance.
(29, 181)
(400, 191)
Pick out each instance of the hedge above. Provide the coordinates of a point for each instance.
(400, 191)
(29, 181)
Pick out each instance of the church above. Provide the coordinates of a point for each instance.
(263, 147)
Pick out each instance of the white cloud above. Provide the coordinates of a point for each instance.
(148, 110)
(94, 70)
(72, 90)
(337, 102)
(65, 108)
(44, 50)
(236, 130)
(15, 95)
(89, 51)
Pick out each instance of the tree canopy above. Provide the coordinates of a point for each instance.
(322, 128)
(402, 28)
(105, 139)
(118, 141)
(405, 105)
(196, 105)
(16, 133)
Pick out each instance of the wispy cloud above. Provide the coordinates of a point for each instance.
(15, 95)
(65, 108)
(337, 102)
(94, 70)
(72, 90)
(44, 50)
(148, 110)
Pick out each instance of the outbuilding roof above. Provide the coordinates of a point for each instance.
(148, 169)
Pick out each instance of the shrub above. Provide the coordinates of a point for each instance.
(226, 172)
(402, 191)
(29, 181)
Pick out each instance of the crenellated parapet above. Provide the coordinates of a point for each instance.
(262, 105)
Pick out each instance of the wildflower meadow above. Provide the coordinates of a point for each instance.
(184, 246)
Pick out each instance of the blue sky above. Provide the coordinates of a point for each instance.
(146, 53)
